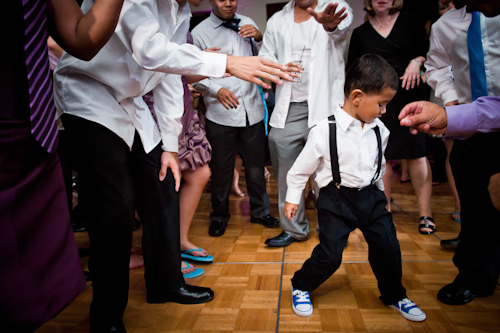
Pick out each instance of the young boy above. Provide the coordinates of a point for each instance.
(350, 177)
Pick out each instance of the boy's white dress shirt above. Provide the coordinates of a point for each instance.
(327, 67)
(148, 42)
(357, 150)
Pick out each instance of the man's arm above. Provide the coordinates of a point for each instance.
(306, 163)
(456, 122)
(482, 115)
(437, 70)
(269, 48)
(139, 31)
(82, 35)
(169, 109)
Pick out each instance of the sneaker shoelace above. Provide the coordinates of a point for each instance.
(302, 296)
(406, 303)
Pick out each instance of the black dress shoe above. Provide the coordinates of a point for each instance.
(453, 294)
(217, 228)
(267, 221)
(185, 295)
(88, 277)
(451, 244)
(115, 328)
(284, 239)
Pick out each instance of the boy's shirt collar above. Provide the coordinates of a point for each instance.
(345, 120)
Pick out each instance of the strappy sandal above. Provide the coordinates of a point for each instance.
(459, 219)
(426, 225)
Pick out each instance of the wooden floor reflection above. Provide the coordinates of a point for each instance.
(252, 281)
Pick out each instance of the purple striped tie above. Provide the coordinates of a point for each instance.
(43, 125)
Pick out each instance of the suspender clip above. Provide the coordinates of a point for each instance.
(337, 185)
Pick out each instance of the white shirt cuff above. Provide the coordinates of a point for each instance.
(216, 64)
(170, 143)
(293, 196)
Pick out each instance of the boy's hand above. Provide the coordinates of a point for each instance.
(290, 210)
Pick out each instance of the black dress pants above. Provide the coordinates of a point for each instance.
(341, 211)
(225, 142)
(477, 257)
(114, 181)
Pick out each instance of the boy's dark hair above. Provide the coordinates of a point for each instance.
(371, 74)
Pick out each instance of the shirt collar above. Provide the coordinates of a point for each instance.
(345, 120)
(464, 12)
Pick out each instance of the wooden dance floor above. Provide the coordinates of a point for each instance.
(253, 290)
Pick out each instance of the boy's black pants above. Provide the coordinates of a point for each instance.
(341, 211)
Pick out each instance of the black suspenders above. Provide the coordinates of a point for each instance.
(334, 157)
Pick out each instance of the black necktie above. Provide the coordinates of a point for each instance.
(234, 25)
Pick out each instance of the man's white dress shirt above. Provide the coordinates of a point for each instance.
(449, 48)
(210, 33)
(148, 42)
(327, 67)
(357, 151)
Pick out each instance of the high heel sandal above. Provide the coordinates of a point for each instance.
(238, 194)
(426, 225)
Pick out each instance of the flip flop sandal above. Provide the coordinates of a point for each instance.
(426, 225)
(187, 255)
(197, 272)
(459, 217)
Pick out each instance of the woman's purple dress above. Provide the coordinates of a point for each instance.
(194, 148)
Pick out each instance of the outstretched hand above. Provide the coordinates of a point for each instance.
(328, 18)
(253, 69)
(425, 117)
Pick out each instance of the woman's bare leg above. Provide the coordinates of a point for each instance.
(421, 179)
(189, 197)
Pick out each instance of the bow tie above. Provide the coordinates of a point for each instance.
(232, 24)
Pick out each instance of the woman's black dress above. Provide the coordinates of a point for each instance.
(406, 41)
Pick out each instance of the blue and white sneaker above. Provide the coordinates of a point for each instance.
(301, 303)
(409, 310)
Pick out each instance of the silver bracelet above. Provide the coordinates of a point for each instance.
(419, 62)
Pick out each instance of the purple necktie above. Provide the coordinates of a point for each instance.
(42, 118)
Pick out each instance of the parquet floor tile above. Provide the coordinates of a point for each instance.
(253, 289)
